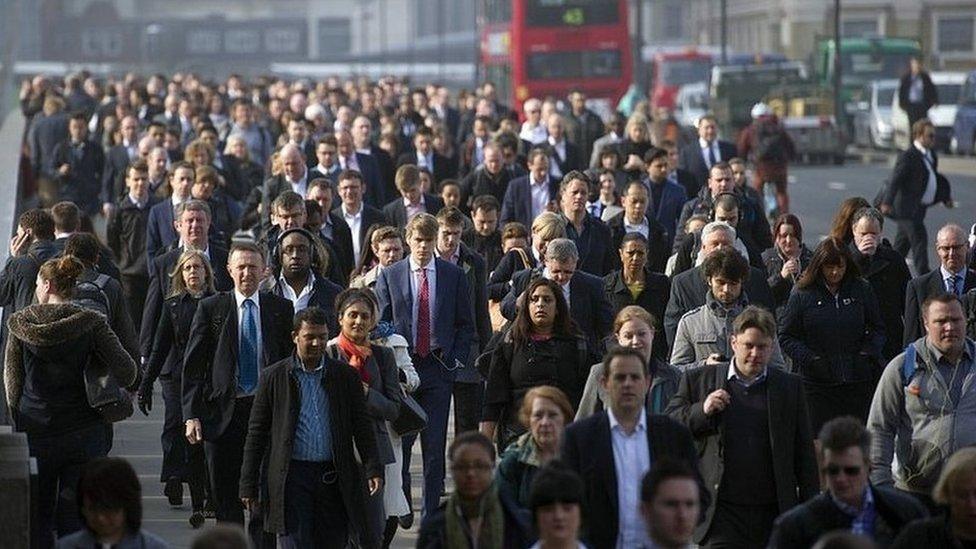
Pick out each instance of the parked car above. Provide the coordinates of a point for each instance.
(691, 104)
(942, 115)
(872, 121)
(964, 128)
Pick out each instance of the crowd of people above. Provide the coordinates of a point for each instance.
(318, 274)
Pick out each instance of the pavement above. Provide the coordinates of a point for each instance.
(816, 191)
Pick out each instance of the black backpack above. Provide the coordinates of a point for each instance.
(770, 146)
(91, 295)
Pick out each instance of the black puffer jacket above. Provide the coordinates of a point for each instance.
(48, 349)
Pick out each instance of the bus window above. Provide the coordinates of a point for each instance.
(557, 13)
(574, 64)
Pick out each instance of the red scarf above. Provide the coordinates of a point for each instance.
(358, 356)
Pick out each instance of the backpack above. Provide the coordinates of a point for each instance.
(91, 295)
(770, 145)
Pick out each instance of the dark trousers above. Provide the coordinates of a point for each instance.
(912, 236)
(467, 406)
(181, 460)
(434, 396)
(224, 458)
(740, 526)
(135, 288)
(915, 112)
(60, 459)
(315, 515)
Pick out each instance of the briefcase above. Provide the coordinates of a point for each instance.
(412, 418)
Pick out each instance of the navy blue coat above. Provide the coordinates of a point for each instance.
(517, 205)
(160, 230)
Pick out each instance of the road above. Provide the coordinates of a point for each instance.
(816, 192)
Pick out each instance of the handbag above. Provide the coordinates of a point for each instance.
(104, 393)
(412, 418)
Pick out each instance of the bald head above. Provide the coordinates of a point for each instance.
(951, 246)
(292, 162)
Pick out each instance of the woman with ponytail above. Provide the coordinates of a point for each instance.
(49, 345)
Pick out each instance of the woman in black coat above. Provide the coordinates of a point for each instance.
(49, 346)
(786, 260)
(191, 280)
(543, 347)
(635, 284)
(832, 330)
(358, 313)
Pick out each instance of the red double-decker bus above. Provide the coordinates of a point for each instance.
(535, 48)
(671, 69)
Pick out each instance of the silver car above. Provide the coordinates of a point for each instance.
(872, 121)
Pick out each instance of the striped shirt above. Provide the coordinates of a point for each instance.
(313, 432)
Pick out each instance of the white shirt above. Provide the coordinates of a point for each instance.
(299, 302)
(479, 151)
(239, 298)
(928, 197)
(631, 461)
(349, 163)
(415, 293)
(540, 195)
(641, 228)
(534, 134)
(704, 151)
(426, 161)
(560, 152)
(354, 221)
(300, 186)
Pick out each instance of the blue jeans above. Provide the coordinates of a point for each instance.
(434, 396)
(60, 460)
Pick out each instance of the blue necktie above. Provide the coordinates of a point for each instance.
(952, 284)
(248, 361)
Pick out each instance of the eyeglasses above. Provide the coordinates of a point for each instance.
(834, 470)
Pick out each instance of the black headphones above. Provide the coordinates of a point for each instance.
(312, 241)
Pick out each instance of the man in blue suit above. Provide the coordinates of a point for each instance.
(161, 227)
(528, 196)
(667, 196)
(428, 302)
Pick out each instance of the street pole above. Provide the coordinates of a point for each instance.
(725, 31)
(838, 107)
(638, 49)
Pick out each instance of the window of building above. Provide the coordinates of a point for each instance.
(859, 28)
(672, 21)
(955, 34)
(335, 36)
(102, 43)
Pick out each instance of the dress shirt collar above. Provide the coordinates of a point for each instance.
(140, 202)
(297, 364)
(239, 298)
(423, 202)
(533, 181)
(415, 267)
(946, 274)
(552, 141)
(632, 227)
(454, 258)
(616, 426)
(345, 212)
(866, 500)
(734, 375)
(923, 150)
(705, 144)
(309, 283)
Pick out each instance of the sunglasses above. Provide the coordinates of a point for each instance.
(834, 470)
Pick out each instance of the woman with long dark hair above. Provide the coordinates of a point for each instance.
(190, 281)
(49, 346)
(832, 329)
(543, 347)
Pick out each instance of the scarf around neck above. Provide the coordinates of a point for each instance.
(358, 355)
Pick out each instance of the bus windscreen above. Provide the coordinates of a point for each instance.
(574, 64)
(572, 13)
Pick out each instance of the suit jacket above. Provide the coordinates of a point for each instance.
(597, 255)
(341, 242)
(930, 94)
(791, 438)
(271, 435)
(396, 212)
(210, 362)
(573, 161)
(688, 291)
(473, 266)
(908, 181)
(172, 335)
(517, 204)
(588, 304)
(113, 176)
(160, 229)
(83, 183)
(657, 242)
(919, 289)
(370, 216)
(673, 198)
(453, 329)
(386, 172)
(588, 449)
(690, 159)
(442, 165)
(687, 180)
(377, 191)
(159, 284)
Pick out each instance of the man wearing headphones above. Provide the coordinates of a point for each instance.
(288, 212)
(295, 256)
